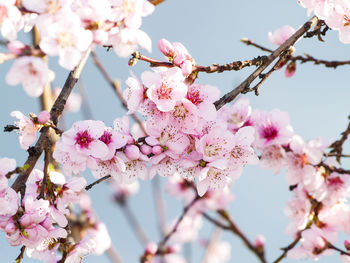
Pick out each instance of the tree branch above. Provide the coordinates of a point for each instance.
(284, 47)
(88, 187)
(234, 229)
(56, 111)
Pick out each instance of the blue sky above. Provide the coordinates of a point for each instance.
(317, 99)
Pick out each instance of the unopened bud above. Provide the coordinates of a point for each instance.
(43, 117)
(151, 248)
(132, 152)
(166, 47)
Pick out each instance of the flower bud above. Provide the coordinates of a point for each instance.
(166, 47)
(145, 149)
(157, 150)
(151, 248)
(43, 117)
(132, 152)
(16, 47)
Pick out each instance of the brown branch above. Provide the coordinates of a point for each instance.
(236, 65)
(15, 171)
(234, 229)
(287, 248)
(303, 59)
(248, 42)
(318, 31)
(56, 111)
(167, 237)
(275, 54)
(46, 170)
(21, 254)
(156, 2)
(337, 146)
(88, 187)
(326, 63)
(264, 77)
(342, 252)
(116, 87)
(216, 222)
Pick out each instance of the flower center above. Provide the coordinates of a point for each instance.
(65, 40)
(83, 139)
(194, 97)
(269, 133)
(106, 137)
(164, 92)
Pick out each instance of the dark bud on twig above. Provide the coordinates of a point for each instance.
(10, 128)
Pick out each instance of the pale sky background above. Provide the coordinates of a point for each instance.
(317, 99)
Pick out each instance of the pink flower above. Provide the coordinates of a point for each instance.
(242, 152)
(44, 6)
(339, 19)
(6, 165)
(126, 41)
(85, 136)
(32, 72)
(215, 175)
(216, 144)
(281, 35)
(314, 243)
(80, 145)
(272, 128)
(27, 129)
(9, 201)
(204, 96)
(134, 94)
(131, 11)
(65, 38)
(185, 115)
(237, 114)
(165, 88)
(166, 47)
(10, 19)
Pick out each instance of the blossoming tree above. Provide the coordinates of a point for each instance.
(199, 140)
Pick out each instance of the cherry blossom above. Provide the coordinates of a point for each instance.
(32, 72)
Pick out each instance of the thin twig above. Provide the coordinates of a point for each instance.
(286, 249)
(88, 187)
(275, 54)
(46, 171)
(248, 42)
(337, 146)
(342, 252)
(236, 65)
(216, 222)
(21, 254)
(56, 111)
(234, 229)
(113, 255)
(116, 88)
(186, 208)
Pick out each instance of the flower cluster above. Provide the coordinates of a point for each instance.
(336, 14)
(68, 29)
(38, 219)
